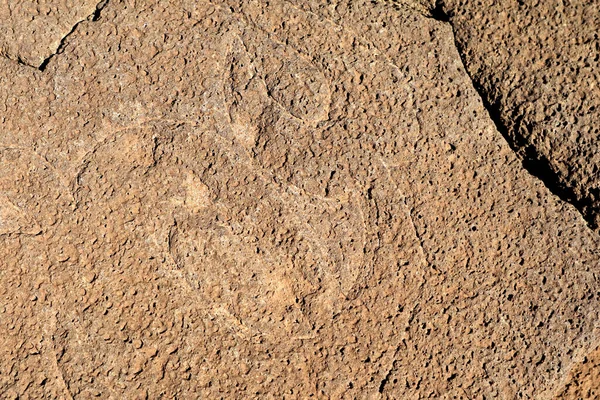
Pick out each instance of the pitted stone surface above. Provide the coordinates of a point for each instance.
(31, 31)
(538, 66)
(233, 199)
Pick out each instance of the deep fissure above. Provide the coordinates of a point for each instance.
(532, 160)
(93, 17)
(535, 163)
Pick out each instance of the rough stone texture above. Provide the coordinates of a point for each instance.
(537, 66)
(583, 382)
(31, 31)
(251, 199)
(425, 7)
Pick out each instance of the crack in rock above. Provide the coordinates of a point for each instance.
(63, 41)
(532, 160)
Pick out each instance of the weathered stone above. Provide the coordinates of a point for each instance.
(247, 199)
(31, 31)
(536, 64)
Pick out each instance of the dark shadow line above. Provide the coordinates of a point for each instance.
(93, 17)
(532, 161)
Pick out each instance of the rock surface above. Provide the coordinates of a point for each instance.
(582, 381)
(250, 199)
(31, 31)
(537, 64)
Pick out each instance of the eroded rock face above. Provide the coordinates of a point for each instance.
(537, 65)
(250, 199)
(582, 381)
(31, 31)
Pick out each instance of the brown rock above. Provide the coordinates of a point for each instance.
(31, 31)
(583, 380)
(277, 199)
(536, 64)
